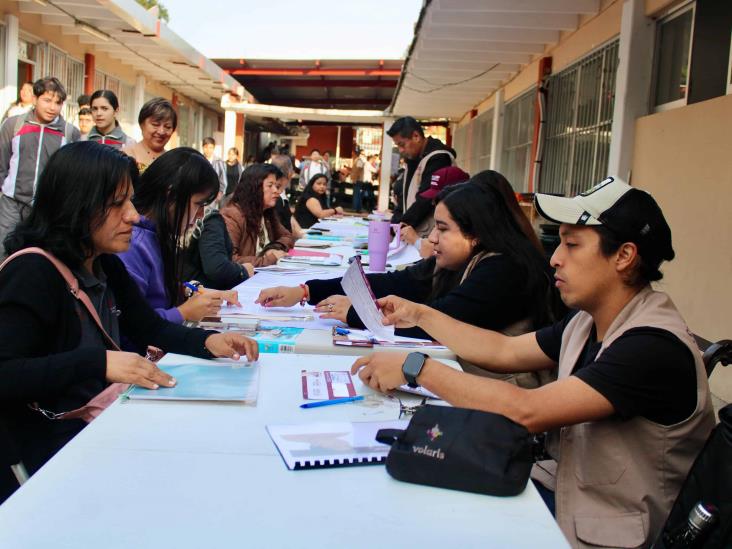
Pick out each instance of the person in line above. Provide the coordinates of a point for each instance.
(370, 170)
(52, 353)
(106, 130)
(282, 207)
(358, 163)
(233, 170)
(425, 155)
(631, 408)
(251, 159)
(208, 257)
(444, 177)
(219, 166)
(313, 203)
(158, 120)
(23, 104)
(483, 271)
(86, 123)
(313, 166)
(258, 236)
(170, 197)
(83, 101)
(26, 143)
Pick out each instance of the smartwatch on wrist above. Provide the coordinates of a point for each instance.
(412, 367)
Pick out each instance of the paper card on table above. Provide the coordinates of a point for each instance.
(209, 380)
(330, 260)
(327, 385)
(331, 444)
(357, 288)
(364, 338)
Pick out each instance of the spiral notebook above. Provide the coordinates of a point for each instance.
(331, 444)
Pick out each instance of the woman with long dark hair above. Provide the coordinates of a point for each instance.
(313, 202)
(170, 197)
(106, 130)
(258, 236)
(53, 353)
(484, 271)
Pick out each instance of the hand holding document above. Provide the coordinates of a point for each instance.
(358, 290)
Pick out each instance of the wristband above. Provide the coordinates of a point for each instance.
(305, 295)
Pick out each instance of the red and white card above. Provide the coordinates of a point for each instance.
(327, 385)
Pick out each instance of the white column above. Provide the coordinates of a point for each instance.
(199, 131)
(338, 150)
(230, 132)
(497, 131)
(10, 89)
(139, 102)
(632, 85)
(387, 145)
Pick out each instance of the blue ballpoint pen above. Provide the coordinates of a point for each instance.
(329, 402)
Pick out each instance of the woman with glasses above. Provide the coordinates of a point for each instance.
(257, 234)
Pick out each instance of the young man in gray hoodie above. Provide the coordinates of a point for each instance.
(27, 141)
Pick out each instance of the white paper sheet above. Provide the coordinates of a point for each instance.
(357, 289)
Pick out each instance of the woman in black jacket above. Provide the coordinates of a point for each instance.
(208, 256)
(51, 351)
(313, 202)
(484, 270)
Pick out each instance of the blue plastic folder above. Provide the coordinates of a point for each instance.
(215, 381)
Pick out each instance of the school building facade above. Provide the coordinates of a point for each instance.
(557, 95)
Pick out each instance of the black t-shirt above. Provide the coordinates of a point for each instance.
(645, 372)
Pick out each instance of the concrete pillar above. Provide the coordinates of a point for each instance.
(139, 102)
(199, 133)
(497, 133)
(90, 67)
(10, 89)
(230, 133)
(632, 85)
(387, 145)
(338, 150)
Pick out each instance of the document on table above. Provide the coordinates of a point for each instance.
(327, 385)
(331, 444)
(200, 379)
(358, 290)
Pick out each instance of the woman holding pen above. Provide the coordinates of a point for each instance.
(54, 357)
(170, 197)
(483, 271)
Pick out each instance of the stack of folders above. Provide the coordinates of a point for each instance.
(332, 444)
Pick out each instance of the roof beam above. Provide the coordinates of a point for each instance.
(482, 45)
(530, 6)
(486, 58)
(314, 72)
(535, 36)
(552, 21)
(301, 83)
(335, 101)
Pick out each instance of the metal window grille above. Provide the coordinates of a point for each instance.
(579, 120)
(482, 141)
(74, 84)
(99, 80)
(518, 136)
(183, 126)
(127, 115)
(113, 84)
(459, 143)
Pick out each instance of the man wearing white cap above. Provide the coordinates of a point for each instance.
(630, 409)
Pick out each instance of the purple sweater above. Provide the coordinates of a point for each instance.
(144, 262)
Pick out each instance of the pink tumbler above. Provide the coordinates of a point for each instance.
(379, 239)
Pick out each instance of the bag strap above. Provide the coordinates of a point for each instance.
(389, 436)
(71, 282)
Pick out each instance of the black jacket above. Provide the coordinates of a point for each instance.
(423, 207)
(492, 296)
(40, 360)
(208, 257)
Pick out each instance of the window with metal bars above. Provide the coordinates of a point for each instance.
(74, 84)
(482, 141)
(460, 144)
(127, 115)
(579, 118)
(518, 136)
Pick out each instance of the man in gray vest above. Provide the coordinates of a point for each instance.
(424, 155)
(631, 407)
